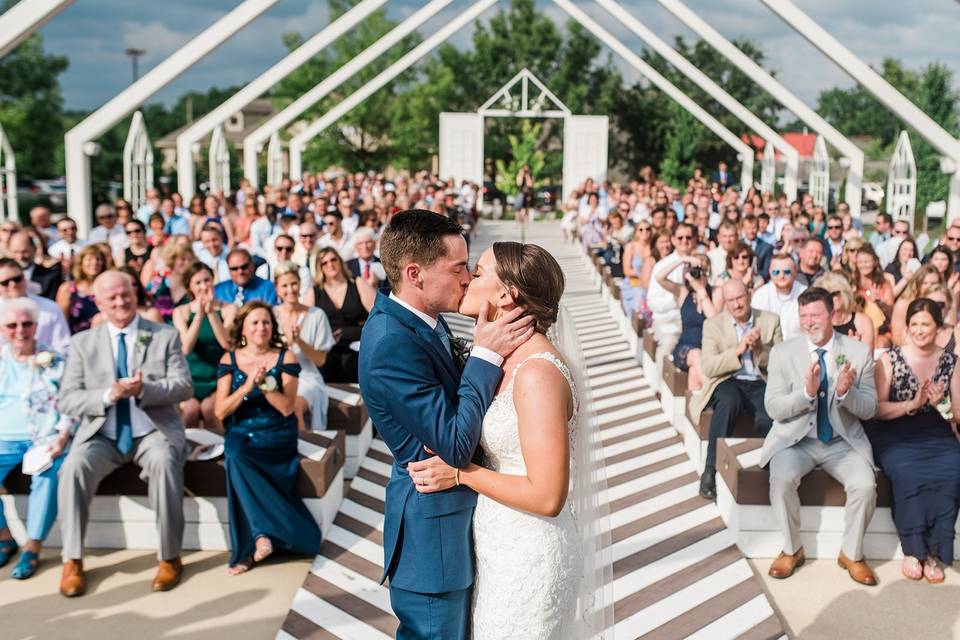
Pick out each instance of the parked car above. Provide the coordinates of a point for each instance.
(546, 196)
(491, 193)
(872, 195)
(40, 193)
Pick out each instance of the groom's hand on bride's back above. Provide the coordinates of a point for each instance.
(504, 334)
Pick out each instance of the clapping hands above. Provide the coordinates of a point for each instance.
(749, 340)
(845, 379)
(127, 387)
(930, 392)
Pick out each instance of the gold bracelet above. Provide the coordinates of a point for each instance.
(457, 478)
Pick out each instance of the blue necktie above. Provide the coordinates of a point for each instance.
(444, 338)
(124, 426)
(824, 430)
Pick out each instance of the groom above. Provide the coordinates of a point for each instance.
(421, 398)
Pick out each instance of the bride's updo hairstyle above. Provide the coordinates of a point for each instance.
(536, 277)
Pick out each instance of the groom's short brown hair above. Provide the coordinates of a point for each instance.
(415, 235)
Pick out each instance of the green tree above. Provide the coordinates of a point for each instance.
(523, 151)
(31, 106)
(680, 158)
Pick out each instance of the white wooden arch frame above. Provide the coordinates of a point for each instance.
(25, 17)
(137, 163)
(274, 159)
(768, 169)
(8, 179)
(902, 181)
(899, 104)
(852, 156)
(744, 151)
(186, 169)
(79, 142)
(219, 160)
(790, 154)
(820, 174)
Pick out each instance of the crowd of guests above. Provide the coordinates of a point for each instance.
(225, 313)
(839, 344)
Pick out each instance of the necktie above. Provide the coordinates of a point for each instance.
(124, 427)
(444, 338)
(366, 271)
(238, 299)
(824, 430)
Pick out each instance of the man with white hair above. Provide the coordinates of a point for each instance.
(124, 380)
(52, 329)
(108, 230)
(366, 265)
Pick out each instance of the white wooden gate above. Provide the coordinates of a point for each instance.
(902, 181)
(461, 146)
(8, 179)
(820, 174)
(584, 150)
(137, 163)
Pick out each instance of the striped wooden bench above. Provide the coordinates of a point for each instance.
(696, 433)
(121, 517)
(673, 390)
(348, 414)
(744, 502)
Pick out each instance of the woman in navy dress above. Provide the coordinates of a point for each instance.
(916, 447)
(256, 395)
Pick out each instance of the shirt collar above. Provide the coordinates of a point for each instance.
(747, 324)
(812, 348)
(128, 330)
(431, 321)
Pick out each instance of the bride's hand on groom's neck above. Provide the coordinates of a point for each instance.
(504, 334)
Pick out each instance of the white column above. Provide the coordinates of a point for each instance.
(100, 121)
(774, 87)
(25, 17)
(872, 81)
(8, 179)
(186, 170)
(275, 160)
(701, 79)
(253, 143)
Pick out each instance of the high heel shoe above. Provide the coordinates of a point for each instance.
(8, 549)
(26, 566)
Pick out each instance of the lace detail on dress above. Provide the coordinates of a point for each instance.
(528, 567)
(904, 383)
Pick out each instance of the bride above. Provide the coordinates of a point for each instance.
(539, 524)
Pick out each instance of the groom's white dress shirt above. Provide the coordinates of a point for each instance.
(483, 353)
(140, 422)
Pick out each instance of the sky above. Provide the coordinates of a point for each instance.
(95, 33)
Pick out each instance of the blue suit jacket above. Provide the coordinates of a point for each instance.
(764, 253)
(416, 397)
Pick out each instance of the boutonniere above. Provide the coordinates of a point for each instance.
(144, 339)
(44, 359)
(841, 360)
(460, 349)
(268, 384)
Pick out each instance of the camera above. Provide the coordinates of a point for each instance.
(696, 272)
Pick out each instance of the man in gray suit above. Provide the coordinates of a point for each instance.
(820, 386)
(125, 380)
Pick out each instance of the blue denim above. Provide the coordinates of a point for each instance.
(42, 505)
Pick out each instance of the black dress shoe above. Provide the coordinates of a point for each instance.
(708, 483)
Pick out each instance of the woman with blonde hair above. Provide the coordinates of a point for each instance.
(846, 319)
(75, 297)
(848, 259)
(924, 280)
(164, 282)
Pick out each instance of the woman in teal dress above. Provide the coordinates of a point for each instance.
(256, 396)
(204, 325)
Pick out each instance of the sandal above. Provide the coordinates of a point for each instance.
(912, 569)
(8, 549)
(26, 566)
(264, 549)
(241, 567)
(933, 570)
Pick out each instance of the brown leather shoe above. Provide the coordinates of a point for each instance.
(168, 575)
(786, 564)
(859, 570)
(73, 582)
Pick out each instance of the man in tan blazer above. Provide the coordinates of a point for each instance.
(736, 347)
(821, 386)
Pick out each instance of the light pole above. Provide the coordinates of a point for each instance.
(135, 54)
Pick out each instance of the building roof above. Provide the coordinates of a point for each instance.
(254, 114)
(802, 141)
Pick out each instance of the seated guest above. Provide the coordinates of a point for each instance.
(726, 239)
(306, 332)
(736, 346)
(347, 302)
(204, 325)
(922, 282)
(138, 250)
(662, 303)
(132, 417)
(846, 319)
(211, 251)
(22, 248)
(52, 328)
(917, 449)
(244, 285)
(870, 284)
(903, 266)
(284, 247)
(811, 259)
(144, 306)
(163, 279)
(848, 257)
(739, 266)
(256, 396)
(833, 240)
(696, 306)
(366, 265)
(306, 252)
(944, 260)
(779, 295)
(29, 386)
(637, 263)
(820, 386)
(334, 235)
(75, 297)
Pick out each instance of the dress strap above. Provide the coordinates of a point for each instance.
(557, 362)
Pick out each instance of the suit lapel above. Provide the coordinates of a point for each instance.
(105, 348)
(143, 341)
(385, 305)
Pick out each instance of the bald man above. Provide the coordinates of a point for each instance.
(124, 379)
(733, 360)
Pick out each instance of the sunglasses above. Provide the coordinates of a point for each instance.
(643, 229)
(742, 257)
(778, 272)
(683, 238)
(241, 267)
(131, 232)
(834, 226)
(324, 263)
(14, 280)
(953, 238)
(11, 326)
(284, 248)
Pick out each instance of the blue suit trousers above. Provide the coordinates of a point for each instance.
(432, 616)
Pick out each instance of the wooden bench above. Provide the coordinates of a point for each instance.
(696, 433)
(121, 517)
(743, 496)
(673, 390)
(348, 414)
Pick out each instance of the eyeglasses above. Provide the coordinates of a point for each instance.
(834, 226)
(743, 256)
(62, 229)
(11, 326)
(953, 238)
(779, 272)
(683, 238)
(324, 263)
(241, 267)
(647, 229)
(900, 233)
(284, 248)
(134, 231)
(14, 280)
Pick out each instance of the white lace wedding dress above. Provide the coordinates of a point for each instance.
(529, 568)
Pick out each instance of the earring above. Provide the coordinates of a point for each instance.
(243, 341)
